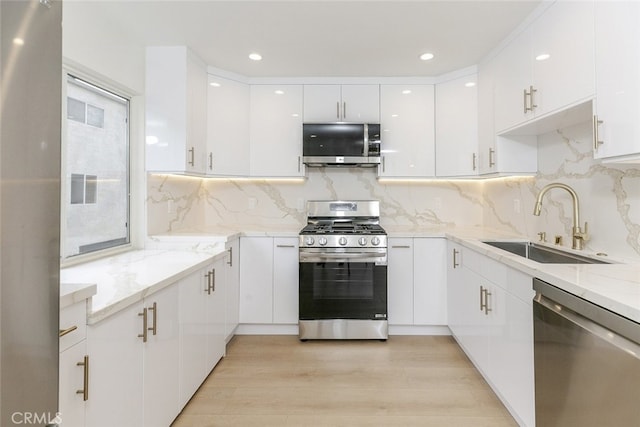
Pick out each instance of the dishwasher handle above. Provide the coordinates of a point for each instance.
(613, 338)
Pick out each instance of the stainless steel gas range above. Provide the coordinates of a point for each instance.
(343, 272)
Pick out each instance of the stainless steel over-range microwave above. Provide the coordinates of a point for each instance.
(341, 144)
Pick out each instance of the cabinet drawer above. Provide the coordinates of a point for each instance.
(73, 324)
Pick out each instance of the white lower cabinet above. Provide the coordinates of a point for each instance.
(147, 360)
(491, 317)
(73, 391)
(416, 279)
(202, 326)
(232, 288)
(269, 280)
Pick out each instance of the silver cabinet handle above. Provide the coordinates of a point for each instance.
(532, 91)
(481, 298)
(338, 109)
(144, 315)
(192, 151)
(230, 262)
(299, 164)
(285, 246)
(210, 161)
(154, 328)
(492, 161)
(455, 258)
(344, 110)
(213, 280)
(384, 164)
(524, 97)
(596, 133)
(473, 162)
(67, 331)
(484, 300)
(207, 289)
(85, 385)
(400, 247)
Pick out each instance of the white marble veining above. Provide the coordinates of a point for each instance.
(125, 279)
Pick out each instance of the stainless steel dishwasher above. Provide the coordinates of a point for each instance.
(587, 362)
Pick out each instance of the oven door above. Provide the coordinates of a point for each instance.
(343, 285)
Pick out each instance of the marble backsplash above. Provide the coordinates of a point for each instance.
(609, 196)
(609, 199)
(177, 204)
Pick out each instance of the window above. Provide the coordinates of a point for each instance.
(95, 193)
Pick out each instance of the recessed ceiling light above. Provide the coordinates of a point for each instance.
(255, 56)
(18, 41)
(214, 84)
(470, 84)
(543, 56)
(279, 92)
(426, 56)
(406, 92)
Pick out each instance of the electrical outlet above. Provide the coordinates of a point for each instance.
(516, 205)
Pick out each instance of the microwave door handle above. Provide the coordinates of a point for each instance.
(365, 152)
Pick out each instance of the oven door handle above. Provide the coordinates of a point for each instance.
(378, 258)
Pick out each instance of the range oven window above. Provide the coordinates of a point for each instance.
(343, 290)
(342, 281)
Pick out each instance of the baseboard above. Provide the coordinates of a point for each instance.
(258, 329)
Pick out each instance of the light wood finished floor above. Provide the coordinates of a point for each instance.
(406, 381)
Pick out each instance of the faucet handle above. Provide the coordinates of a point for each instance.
(583, 235)
(542, 236)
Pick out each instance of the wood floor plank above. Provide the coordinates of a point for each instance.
(406, 381)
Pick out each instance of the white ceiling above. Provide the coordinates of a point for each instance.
(323, 38)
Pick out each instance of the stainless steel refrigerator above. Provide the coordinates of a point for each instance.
(30, 123)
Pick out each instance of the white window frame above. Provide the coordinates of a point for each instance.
(137, 176)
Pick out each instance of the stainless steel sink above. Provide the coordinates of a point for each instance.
(542, 254)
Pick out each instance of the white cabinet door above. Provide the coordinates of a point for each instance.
(227, 127)
(341, 103)
(276, 131)
(429, 281)
(485, 162)
(71, 403)
(457, 127)
(285, 280)
(407, 123)
(176, 110)
(400, 281)
(161, 358)
(514, 75)
(215, 313)
(564, 36)
(193, 344)
(361, 103)
(116, 371)
(322, 103)
(617, 41)
(256, 280)
(232, 291)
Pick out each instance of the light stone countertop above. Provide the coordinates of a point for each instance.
(615, 287)
(71, 293)
(125, 279)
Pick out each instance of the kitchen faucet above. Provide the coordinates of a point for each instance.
(579, 236)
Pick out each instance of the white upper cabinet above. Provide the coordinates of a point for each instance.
(617, 41)
(227, 127)
(276, 131)
(548, 67)
(341, 103)
(176, 110)
(407, 126)
(457, 127)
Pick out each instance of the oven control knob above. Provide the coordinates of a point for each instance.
(309, 241)
(322, 241)
(375, 241)
(342, 241)
(362, 241)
